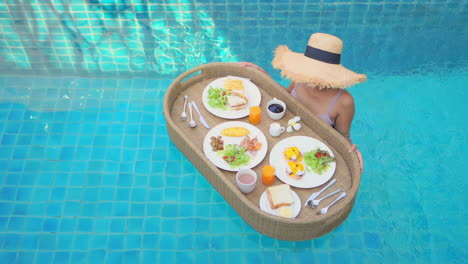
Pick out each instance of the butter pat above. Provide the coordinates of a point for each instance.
(285, 211)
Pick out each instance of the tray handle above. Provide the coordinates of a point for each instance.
(189, 74)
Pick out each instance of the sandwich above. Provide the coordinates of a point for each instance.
(279, 195)
(237, 101)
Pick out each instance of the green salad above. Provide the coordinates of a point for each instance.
(217, 97)
(234, 155)
(318, 160)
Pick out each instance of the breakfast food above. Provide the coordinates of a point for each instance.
(217, 143)
(234, 85)
(230, 97)
(234, 155)
(279, 195)
(237, 101)
(318, 160)
(295, 169)
(285, 211)
(235, 132)
(239, 148)
(251, 145)
(292, 154)
(217, 98)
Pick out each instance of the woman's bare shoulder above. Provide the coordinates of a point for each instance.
(346, 99)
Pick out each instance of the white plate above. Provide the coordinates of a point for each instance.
(218, 160)
(250, 91)
(305, 144)
(265, 204)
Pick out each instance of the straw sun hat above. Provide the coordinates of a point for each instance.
(319, 65)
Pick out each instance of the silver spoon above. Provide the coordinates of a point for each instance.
(183, 116)
(325, 209)
(316, 202)
(192, 122)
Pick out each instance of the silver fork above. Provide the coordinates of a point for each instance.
(325, 209)
(316, 194)
(316, 202)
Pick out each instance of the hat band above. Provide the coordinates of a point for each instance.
(322, 55)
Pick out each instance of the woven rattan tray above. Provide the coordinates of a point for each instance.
(307, 224)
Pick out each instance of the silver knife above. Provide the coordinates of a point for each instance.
(202, 120)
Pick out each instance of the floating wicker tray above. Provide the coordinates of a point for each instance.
(307, 225)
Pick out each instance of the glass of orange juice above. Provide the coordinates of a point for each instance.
(268, 175)
(255, 114)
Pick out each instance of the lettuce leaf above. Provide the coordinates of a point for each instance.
(318, 163)
(234, 155)
(217, 98)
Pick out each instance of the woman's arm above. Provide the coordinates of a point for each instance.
(345, 114)
(346, 110)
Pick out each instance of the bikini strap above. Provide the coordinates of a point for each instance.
(334, 102)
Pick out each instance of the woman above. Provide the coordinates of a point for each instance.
(318, 81)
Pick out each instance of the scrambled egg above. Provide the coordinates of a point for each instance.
(231, 84)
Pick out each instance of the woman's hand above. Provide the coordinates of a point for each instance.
(359, 154)
(249, 64)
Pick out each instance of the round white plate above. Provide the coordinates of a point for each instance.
(251, 91)
(265, 204)
(218, 160)
(305, 144)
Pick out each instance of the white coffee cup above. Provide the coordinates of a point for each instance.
(276, 129)
(273, 115)
(246, 180)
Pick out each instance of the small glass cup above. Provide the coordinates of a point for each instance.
(268, 175)
(255, 115)
(246, 180)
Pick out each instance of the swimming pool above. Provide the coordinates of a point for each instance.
(89, 175)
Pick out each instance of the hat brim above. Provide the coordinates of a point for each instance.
(299, 68)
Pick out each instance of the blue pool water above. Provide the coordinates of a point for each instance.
(88, 173)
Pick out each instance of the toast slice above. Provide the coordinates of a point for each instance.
(279, 195)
